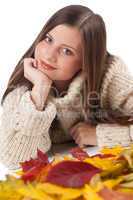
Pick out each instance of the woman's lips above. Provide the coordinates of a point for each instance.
(47, 66)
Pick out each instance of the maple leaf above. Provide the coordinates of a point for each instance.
(71, 173)
(33, 167)
(42, 158)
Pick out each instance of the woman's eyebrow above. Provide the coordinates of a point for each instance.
(64, 44)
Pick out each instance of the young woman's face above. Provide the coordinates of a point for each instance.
(62, 50)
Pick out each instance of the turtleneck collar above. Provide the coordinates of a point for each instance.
(73, 90)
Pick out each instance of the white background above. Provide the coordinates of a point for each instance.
(21, 21)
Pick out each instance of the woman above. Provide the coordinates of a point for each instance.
(53, 96)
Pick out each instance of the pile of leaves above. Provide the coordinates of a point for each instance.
(107, 175)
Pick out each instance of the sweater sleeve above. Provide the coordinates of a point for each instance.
(24, 129)
(117, 94)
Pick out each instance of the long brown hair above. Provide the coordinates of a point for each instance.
(95, 58)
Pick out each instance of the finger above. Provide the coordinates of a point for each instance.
(35, 63)
(39, 64)
(82, 146)
(29, 62)
(79, 142)
(74, 128)
(75, 135)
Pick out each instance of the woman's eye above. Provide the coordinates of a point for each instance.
(47, 38)
(67, 51)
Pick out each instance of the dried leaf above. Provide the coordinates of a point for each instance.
(116, 150)
(90, 194)
(79, 153)
(42, 159)
(33, 167)
(33, 192)
(64, 193)
(103, 155)
(71, 173)
(103, 163)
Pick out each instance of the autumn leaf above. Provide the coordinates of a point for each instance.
(33, 192)
(71, 173)
(90, 194)
(42, 159)
(79, 153)
(116, 150)
(103, 155)
(64, 193)
(104, 163)
(8, 189)
(33, 167)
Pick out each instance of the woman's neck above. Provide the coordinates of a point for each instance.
(62, 86)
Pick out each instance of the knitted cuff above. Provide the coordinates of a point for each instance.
(22, 149)
(131, 131)
(29, 120)
(112, 134)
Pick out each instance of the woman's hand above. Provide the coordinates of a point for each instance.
(32, 72)
(83, 134)
(41, 82)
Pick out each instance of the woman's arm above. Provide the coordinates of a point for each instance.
(41, 82)
(117, 92)
(23, 128)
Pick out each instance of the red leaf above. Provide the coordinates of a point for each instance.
(79, 153)
(33, 167)
(71, 173)
(31, 175)
(42, 158)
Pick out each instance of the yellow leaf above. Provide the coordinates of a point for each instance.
(114, 150)
(90, 193)
(112, 182)
(126, 190)
(33, 192)
(8, 189)
(65, 193)
(104, 163)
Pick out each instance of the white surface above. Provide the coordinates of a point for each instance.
(3, 171)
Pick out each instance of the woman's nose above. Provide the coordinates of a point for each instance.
(51, 54)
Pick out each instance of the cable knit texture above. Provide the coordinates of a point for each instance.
(24, 129)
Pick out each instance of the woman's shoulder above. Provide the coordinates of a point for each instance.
(116, 64)
(116, 69)
(15, 94)
(18, 90)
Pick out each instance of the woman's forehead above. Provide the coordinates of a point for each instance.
(64, 34)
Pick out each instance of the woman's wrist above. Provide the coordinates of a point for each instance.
(39, 95)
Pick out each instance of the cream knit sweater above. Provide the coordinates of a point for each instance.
(24, 129)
